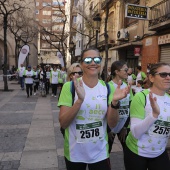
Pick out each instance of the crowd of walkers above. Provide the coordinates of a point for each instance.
(34, 77)
(92, 112)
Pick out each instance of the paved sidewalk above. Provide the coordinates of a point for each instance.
(30, 138)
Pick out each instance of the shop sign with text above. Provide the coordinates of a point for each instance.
(136, 11)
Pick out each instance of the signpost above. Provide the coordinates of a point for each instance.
(136, 11)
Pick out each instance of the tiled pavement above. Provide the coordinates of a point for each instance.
(30, 138)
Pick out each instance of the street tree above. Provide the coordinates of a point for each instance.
(57, 34)
(7, 8)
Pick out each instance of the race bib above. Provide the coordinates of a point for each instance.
(123, 113)
(160, 129)
(90, 132)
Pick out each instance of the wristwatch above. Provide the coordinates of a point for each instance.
(117, 105)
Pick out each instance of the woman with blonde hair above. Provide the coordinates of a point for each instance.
(75, 68)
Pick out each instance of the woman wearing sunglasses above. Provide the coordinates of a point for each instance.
(85, 121)
(150, 124)
(74, 69)
(119, 71)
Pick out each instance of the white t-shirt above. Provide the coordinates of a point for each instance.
(123, 110)
(29, 80)
(86, 137)
(153, 142)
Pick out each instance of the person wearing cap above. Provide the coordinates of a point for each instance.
(29, 76)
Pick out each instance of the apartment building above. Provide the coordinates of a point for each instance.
(144, 41)
(137, 40)
(51, 20)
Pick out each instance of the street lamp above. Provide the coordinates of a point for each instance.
(97, 22)
(72, 50)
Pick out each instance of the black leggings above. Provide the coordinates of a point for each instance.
(135, 162)
(29, 89)
(36, 86)
(110, 142)
(102, 165)
(54, 89)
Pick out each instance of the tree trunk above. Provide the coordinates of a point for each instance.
(106, 42)
(5, 55)
(16, 54)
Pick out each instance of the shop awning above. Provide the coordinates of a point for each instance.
(127, 45)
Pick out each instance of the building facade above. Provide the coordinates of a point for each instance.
(51, 20)
(13, 47)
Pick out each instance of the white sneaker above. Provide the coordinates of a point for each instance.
(52, 95)
(34, 94)
(55, 96)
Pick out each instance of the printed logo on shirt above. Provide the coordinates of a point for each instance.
(101, 97)
(166, 103)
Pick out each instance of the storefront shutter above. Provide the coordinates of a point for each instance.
(165, 53)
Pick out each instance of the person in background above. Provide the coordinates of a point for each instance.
(74, 67)
(131, 77)
(36, 79)
(20, 71)
(138, 87)
(150, 124)
(29, 77)
(73, 70)
(119, 73)
(54, 76)
(141, 75)
(48, 72)
(85, 118)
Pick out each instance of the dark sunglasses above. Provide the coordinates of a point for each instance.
(79, 73)
(126, 69)
(88, 60)
(163, 74)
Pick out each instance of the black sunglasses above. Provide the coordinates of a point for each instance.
(78, 72)
(125, 69)
(88, 60)
(163, 74)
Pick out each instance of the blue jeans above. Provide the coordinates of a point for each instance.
(21, 80)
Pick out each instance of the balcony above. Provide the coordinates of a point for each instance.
(111, 41)
(96, 10)
(160, 16)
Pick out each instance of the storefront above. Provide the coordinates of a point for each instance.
(127, 53)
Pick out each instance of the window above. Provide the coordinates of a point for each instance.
(37, 11)
(46, 4)
(46, 12)
(74, 19)
(57, 19)
(47, 37)
(58, 12)
(37, 3)
(58, 3)
(45, 45)
(46, 21)
(57, 28)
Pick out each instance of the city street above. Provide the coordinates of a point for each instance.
(30, 137)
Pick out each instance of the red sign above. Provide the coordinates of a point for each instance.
(136, 51)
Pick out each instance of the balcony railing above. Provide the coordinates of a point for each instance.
(159, 15)
(102, 39)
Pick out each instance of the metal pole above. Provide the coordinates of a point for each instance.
(97, 32)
